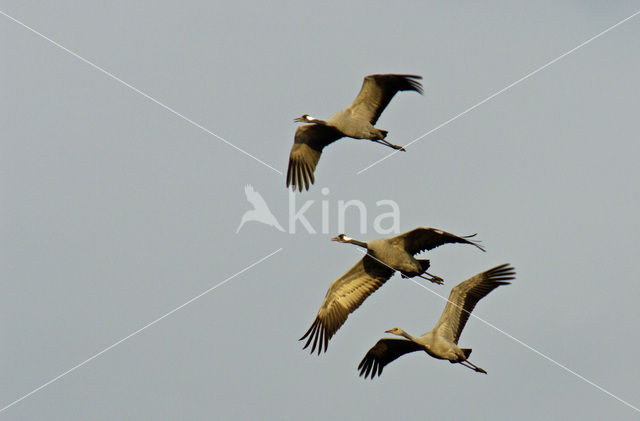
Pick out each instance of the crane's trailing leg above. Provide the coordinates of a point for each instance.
(472, 366)
(382, 141)
(435, 279)
(391, 145)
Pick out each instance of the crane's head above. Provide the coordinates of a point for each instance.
(342, 238)
(305, 118)
(395, 331)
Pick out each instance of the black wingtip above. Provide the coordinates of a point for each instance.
(370, 367)
(409, 83)
(317, 338)
(474, 242)
(503, 273)
(299, 176)
(416, 86)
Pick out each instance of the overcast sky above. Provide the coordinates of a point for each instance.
(115, 211)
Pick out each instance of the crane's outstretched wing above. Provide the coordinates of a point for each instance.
(308, 143)
(425, 238)
(464, 297)
(377, 91)
(384, 352)
(344, 296)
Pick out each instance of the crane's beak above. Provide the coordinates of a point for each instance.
(299, 120)
(388, 331)
(335, 239)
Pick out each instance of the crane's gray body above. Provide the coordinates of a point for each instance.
(440, 347)
(351, 126)
(394, 255)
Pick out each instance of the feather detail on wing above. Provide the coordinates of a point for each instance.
(343, 297)
(464, 297)
(305, 153)
(382, 353)
(377, 91)
(425, 238)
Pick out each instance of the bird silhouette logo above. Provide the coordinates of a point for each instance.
(260, 212)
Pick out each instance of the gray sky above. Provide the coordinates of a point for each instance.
(116, 211)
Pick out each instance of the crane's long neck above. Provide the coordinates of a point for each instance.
(406, 335)
(320, 122)
(358, 243)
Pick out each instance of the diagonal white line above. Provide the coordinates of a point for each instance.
(516, 339)
(527, 76)
(75, 367)
(133, 88)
